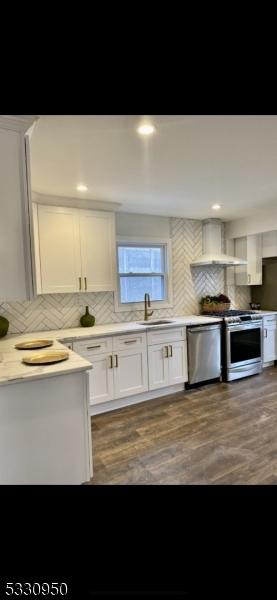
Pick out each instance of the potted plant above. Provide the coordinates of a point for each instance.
(215, 303)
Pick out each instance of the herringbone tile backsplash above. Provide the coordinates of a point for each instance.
(59, 311)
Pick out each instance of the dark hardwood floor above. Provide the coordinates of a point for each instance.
(223, 433)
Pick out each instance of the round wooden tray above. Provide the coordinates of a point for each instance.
(33, 344)
(46, 358)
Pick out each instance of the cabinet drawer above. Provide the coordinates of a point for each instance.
(129, 341)
(166, 335)
(93, 346)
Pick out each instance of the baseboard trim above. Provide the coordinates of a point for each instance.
(122, 402)
(271, 363)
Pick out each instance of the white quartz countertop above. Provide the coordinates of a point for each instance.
(12, 369)
(266, 312)
(129, 327)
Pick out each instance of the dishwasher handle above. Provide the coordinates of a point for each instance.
(196, 329)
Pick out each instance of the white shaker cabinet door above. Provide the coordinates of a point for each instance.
(177, 363)
(59, 246)
(101, 378)
(97, 237)
(158, 366)
(249, 248)
(130, 372)
(269, 339)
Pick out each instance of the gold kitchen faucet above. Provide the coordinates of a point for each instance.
(147, 313)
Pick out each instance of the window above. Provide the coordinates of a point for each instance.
(142, 267)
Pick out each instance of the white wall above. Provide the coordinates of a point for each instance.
(128, 224)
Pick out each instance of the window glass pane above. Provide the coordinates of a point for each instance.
(141, 259)
(132, 289)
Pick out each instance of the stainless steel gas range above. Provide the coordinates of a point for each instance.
(241, 343)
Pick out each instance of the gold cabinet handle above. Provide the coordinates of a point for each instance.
(80, 283)
(171, 352)
(93, 347)
(130, 341)
(116, 360)
(166, 351)
(86, 285)
(249, 278)
(111, 361)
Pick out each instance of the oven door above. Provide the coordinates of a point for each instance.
(243, 344)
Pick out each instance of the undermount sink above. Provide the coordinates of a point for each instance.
(158, 322)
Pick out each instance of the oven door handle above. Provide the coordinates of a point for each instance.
(244, 327)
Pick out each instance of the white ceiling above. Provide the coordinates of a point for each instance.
(190, 163)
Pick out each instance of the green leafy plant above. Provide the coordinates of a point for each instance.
(220, 298)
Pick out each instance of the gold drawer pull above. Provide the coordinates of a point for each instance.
(171, 352)
(111, 361)
(86, 285)
(80, 283)
(130, 341)
(92, 347)
(166, 351)
(116, 360)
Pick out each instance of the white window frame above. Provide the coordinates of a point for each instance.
(145, 241)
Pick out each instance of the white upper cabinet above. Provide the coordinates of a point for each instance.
(249, 248)
(16, 281)
(59, 247)
(97, 236)
(76, 250)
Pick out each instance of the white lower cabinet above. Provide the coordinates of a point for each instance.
(269, 338)
(158, 366)
(167, 362)
(101, 379)
(177, 363)
(130, 374)
(125, 365)
(117, 373)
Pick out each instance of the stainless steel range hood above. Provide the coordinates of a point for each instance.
(212, 247)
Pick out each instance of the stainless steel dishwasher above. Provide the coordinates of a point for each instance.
(204, 353)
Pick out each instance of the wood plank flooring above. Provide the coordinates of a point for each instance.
(223, 433)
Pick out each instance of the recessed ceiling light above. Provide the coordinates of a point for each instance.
(82, 188)
(146, 129)
(216, 206)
